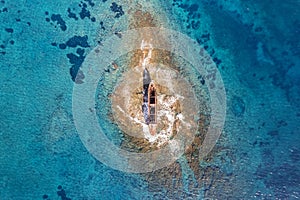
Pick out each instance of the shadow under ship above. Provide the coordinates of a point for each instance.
(149, 106)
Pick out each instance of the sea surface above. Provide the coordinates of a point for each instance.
(255, 46)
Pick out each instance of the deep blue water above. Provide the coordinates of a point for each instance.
(256, 46)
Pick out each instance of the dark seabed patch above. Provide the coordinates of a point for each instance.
(90, 2)
(283, 178)
(62, 193)
(62, 46)
(59, 21)
(84, 13)
(75, 41)
(117, 9)
(76, 61)
(71, 14)
(9, 30)
(238, 106)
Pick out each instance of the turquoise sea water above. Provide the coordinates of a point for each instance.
(256, 46)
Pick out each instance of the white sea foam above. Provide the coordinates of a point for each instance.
(162, 136)
(147, 47)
